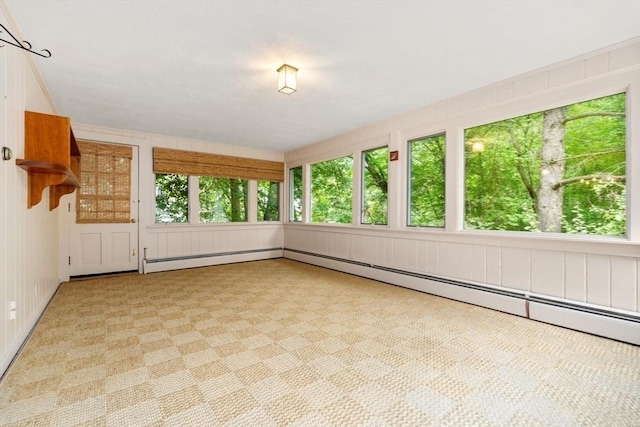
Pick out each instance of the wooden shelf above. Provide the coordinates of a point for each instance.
(34, 166)
(52, 158)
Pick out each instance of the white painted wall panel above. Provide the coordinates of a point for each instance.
(432, 258)
(505, 91)
(461, 261)
(357, 248)
(370, 249)
(186, 243)
(520, 87)
(388, 251)
(624, 283)
(174, 245)
(181, 241)
(575, 279)
(323, 243)
(341, 245)
(539, 82)
(516, 268)
(494, 265)
(444, 268)
(627, 56)
(28, 237)
(567, 73)
(400, 253)
(598, 280)
(637, 286)
(479, 264)
(596, 65)
(412, 254)
(422, 256)
(205, 244)
(547, 273)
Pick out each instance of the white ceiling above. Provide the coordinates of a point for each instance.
(206, 69)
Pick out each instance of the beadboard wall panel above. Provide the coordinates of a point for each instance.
(28, 237)
(601, 280)
(165, 242)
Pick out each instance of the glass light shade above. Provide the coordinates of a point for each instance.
(287, 79)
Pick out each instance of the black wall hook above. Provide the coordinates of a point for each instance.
(25, 45)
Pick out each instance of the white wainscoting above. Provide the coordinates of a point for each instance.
(503, 274)
(174, 246)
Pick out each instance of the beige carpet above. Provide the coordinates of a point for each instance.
(276, 343)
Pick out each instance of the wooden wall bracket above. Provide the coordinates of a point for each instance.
(52, 158)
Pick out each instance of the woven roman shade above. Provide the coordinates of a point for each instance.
(105, 192)
(166, 160)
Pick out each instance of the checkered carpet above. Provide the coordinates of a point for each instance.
(274, 343)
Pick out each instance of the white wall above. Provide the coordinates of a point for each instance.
(182, 240)
(588, 270)
(28, 237)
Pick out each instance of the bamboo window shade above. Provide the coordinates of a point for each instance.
(170, 161)
(105, 177)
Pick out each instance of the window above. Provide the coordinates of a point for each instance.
(331, 191)
(295, 194)
(426, 181)
(561, 170)
(172, 198)
(222, 199)
(374, 186)
(268, 201)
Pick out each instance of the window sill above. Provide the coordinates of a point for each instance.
(602, 245)
(178, 226)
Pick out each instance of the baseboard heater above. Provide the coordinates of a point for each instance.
(201, 260)
(619, 325)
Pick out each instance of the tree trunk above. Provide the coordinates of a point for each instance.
(271, 210)
(378, 176)
(236, 200)
(549, 203)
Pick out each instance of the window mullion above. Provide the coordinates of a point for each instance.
(252, 205)
(193, 189)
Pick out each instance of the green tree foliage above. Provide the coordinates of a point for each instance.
(504, 163)
(171, 198)
(426, 181)
(331, 191)
(223, 199)
(268, 201)
(374, 178)
(295, 195)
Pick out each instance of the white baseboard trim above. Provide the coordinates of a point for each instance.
(604, 326)
(518, 303)
(154, 266)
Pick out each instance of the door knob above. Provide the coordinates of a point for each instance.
(133, 220)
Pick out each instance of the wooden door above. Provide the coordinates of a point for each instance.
(104, 236)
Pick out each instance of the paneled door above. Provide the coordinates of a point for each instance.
(104, 235)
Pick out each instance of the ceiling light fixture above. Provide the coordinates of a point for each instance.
(287, 83)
